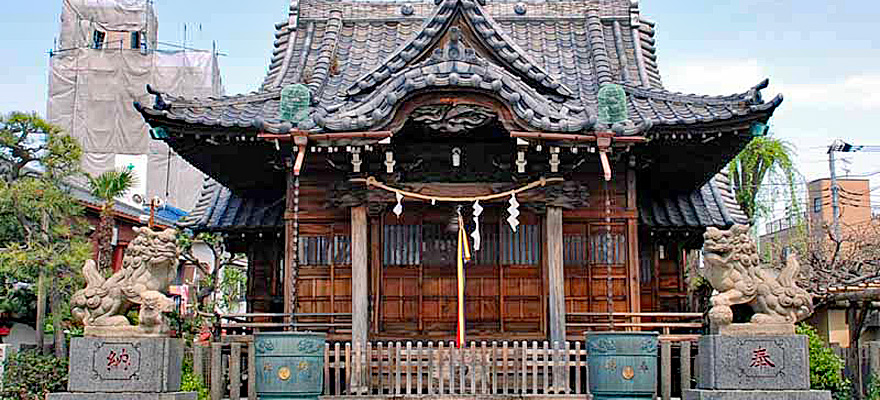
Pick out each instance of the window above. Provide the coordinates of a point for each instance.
(322, 250)
(98, 39)
(817, 205)
(136, 40)
(608, 248)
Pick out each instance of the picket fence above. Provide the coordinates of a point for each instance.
(400, 369)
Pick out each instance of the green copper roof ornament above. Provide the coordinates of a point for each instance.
(612, 104)
(295, 102)
(758, 129)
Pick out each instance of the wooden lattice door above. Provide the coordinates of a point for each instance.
(503, 292)
(593, 253)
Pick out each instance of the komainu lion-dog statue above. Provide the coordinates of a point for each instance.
(149, 266)
(733, 268)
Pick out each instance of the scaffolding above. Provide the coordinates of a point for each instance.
(105, 56)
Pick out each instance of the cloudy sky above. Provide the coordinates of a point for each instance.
(824, 56)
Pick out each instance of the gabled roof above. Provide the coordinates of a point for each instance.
(487, 31)
(545, 61)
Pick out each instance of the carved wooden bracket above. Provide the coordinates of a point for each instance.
(453, 118)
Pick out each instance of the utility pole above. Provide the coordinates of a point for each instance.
(843, 147)
(835, 193)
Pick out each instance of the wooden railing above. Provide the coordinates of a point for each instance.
(665, 323)
(245, 324)
(396, 369)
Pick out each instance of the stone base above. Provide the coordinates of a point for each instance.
(124, 396)
(761, 362)
(756, 330)
(125, 365)
(121, 332)
(756, 395)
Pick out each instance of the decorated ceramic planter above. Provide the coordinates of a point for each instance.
(289, 365)
(623, 365)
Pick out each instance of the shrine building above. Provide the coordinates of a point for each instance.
(545, 125)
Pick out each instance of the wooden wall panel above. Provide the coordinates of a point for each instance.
(666, 290)
(590, 249)
(264, 276)
(323, 282)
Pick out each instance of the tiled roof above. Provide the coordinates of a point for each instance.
(713, 204)
(548, 59)
(219, 209)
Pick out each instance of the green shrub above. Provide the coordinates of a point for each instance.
(29, 376)
(873, 388)
(189, 382)
(826, 368)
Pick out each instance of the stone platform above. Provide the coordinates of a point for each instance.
(769, 365)
(699, 394)
(148, 365)
(117, 368)
(124, 396)
(764, 362)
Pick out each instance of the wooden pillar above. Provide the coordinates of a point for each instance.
(632, 233)
(360, 278)
(375, 268)
(556, 288)
(555, 274)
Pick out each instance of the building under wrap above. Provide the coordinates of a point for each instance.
(105, 56)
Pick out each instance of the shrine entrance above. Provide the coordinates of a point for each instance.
(504, 292)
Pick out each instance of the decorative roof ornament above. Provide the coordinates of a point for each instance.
(612, 104)
(454, 50)
(407, 10)
(295, 102)
(520, 8)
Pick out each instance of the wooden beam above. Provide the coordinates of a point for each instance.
(565, 137)
(360, 300)
(287, 137)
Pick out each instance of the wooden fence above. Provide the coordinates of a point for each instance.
(440, 369)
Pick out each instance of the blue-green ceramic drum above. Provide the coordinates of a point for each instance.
(289, 365)
(623, 365)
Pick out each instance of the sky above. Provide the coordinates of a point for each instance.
(823, 56)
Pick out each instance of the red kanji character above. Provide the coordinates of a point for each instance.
(760, 358)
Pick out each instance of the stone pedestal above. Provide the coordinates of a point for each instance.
(754, 367)
(125, 368)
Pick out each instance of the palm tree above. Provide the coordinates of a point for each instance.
(107, 187)
(765, 157)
